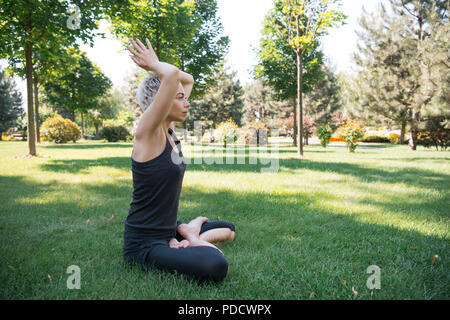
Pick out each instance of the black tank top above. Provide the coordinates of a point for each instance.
(156, 191)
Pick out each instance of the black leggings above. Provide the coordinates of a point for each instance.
(203, 262)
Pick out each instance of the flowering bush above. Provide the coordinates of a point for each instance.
(308, 127)
(286, 126)
(6, 138)
(394, 138)
(227, 130)
(59, 130)
(338, 119)
(351, 132)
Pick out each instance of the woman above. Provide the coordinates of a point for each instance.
(153, 236)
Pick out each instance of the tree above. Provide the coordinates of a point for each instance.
(308, 21)
(79, 88)
(324, 99)
(10, 102)
(110, 106)
(397, 77)
(277, 60)
(258, 100)
(220, 103)
(26, 25)
(186, 34)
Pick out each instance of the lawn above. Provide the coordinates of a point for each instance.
(308, 231)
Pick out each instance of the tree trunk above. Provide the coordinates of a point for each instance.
(31, 125)
(82, 126)
(294, 128)
(402, 132)
(96, 131)
(36, 109)
(412, 145)
(300, 104)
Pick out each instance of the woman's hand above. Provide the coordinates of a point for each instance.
(174, 243)
(144, 57)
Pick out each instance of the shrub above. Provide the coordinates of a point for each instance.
(7, 138)
(373, 137)
(351, 132)
(394, 138)
(114, 134)
(434, 133)
(227, 130)
(324, 133)
(59, 130)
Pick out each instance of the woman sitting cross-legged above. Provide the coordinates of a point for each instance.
(153, 237)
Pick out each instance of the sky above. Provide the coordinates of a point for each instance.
(242, 22)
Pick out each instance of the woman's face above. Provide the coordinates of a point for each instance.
(180, 106)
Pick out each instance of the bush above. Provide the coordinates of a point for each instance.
(394, 138)
(372, 137)
(59, 130)
(351, 132)
(227, 130)
(114, 134)
(434, 133)
(324, 133)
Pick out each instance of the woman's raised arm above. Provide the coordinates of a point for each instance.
(155, 114)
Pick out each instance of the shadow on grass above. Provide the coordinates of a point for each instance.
(412, 176)
(76, 146)
(80, 165)
(286, 246)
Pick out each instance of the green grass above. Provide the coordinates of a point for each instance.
(313, 226)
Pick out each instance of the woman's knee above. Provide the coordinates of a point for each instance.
(215, 267)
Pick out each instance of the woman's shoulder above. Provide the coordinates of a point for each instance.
(149, 147)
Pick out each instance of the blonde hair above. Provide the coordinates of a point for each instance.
(147, 90)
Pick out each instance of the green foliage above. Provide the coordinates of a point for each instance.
(404, 61)
(220, 103)
(259, 100)
(313, 18)
(59, 130)
(276, 59)
(324, 99)
(114, 133)
(324, 132)
(10, 102)
(186, 34)
(435, 133)
(80, 87)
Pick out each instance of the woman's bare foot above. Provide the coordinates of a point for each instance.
(197, 223)
(191, 231)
